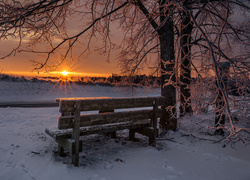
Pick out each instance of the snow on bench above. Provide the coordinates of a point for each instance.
(72, 124)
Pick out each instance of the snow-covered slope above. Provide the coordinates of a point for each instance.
(18, 91)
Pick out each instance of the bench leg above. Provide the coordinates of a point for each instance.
(61, 151)
(150, 132)
(76, 149)
(152, 140)
(75, 153)
(111, 134)
(131, 134)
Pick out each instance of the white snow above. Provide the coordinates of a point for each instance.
(27, 153)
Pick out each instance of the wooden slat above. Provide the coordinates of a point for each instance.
(65, 122)
(57, 134)
(80, 98)
(102, 104)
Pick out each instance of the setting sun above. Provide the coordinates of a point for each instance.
(65, 73)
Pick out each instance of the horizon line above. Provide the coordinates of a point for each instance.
(53, 74)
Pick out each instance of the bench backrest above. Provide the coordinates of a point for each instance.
(71, 107)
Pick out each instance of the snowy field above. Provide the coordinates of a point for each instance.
(191, 153)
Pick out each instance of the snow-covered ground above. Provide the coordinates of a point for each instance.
(20, 91)
(191, 153)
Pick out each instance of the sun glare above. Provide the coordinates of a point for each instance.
(65, 73)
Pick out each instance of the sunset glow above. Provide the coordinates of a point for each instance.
(65, 73)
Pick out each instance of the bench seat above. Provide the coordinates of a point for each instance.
(58, 134)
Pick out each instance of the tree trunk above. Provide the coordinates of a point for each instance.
(185, 75)
(220, 102)
(168, 120)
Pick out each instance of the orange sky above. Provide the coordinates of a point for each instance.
(94, 65)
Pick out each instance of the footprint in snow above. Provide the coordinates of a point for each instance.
(207, 156)
(96, 177)
(108, 165)
(13, 148)
(222, 157)
(24, 168)
(165, 164)
(172, 172)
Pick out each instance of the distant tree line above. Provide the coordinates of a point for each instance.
(120, 80)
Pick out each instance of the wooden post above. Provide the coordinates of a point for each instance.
(60, 148)
(155, 115)
(76, 133)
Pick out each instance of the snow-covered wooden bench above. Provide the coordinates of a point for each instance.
(72, 124)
